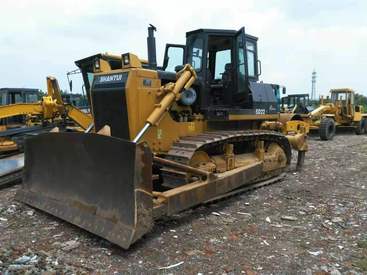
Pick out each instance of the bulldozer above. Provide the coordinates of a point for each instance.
(164, 138)
(340, 111)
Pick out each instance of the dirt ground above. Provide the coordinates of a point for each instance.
(313, 222)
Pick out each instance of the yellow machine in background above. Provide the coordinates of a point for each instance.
(164, 138)
(341, 111)
(338, 111)
(50, 108)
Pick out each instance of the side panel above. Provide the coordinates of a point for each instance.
(263, 98)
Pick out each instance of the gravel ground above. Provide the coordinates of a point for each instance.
(313, 222)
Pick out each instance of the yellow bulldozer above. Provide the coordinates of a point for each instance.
(164, 138)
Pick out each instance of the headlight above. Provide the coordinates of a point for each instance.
(125, 59)
(97, 64)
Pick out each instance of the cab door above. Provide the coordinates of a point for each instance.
(240, 71)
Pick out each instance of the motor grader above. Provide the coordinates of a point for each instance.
(50, 108)
(340, 111)
(12, 96)
(164, 138)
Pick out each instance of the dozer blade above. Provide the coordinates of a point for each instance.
(100, 183)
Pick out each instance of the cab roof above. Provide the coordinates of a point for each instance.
(18, 90)
(217, 32)
(342, 90)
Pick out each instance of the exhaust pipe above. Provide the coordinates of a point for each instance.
(152, 54)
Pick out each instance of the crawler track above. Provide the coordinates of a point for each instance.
(183, 150)
(11, 179)
(11, 168)
(255, 185)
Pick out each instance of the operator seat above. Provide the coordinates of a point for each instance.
(227, 75)
(227, 81)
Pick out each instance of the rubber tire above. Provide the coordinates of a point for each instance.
(327, 128)
(361, 127)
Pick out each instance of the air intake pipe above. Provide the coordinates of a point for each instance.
(152, 54)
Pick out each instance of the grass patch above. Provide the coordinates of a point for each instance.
(362, 264)
(362, 243)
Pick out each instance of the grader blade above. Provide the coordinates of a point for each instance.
(100, 183)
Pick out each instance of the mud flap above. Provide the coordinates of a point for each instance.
(100, 183)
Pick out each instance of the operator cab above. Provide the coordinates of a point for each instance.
(18, 95)
(228, 71)
(298, 103)
(345, 99)
(14, 96)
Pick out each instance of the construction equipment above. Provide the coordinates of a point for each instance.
(18, 95)
(13, 96)
(296, 104)
(50, 108)
(163, 141)
(41, 116)
(339, 112)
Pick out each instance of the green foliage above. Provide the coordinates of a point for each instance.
(41, 94)
(362, 243)
(360, 99)
(362, 264)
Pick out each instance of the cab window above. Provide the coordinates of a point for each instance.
(30, 98)
(18, 98)
(241, 72)
(3, 98)
(221, 59)
(175, 58)
(197, 53)
(250, 49)
(90, 78)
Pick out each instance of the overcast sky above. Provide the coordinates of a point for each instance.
(40, 38)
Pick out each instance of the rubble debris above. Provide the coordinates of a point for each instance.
(315, 253)
(30, 212)
(26, 259)
(70, 245)
(289, 218)
(337, 220)
(328, 237)
(17, 267)
(171, 266)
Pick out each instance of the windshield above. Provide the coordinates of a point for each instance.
(3, 100)
(338, 97)
(30, 98)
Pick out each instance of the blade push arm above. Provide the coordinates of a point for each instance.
(172, 93)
